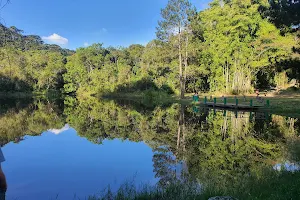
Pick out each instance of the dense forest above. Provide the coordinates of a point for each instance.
(233, 46)
(27, 64)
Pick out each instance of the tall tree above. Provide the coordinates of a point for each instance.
(283, 13)
(238, 43)
(175, 21)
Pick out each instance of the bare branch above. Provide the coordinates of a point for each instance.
(5, 4)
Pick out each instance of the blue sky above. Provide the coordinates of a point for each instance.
(74, 23)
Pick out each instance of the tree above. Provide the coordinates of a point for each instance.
(238, 42)
(135, 54)
(175, 21)
(283, 13)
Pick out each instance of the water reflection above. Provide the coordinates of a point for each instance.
(59, 131)
(288, 166)
(211, 147)
(3, 184)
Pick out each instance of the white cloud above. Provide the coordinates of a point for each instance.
(86, 44)
(56, 39)
(104, 30)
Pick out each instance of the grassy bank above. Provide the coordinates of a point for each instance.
(281, 104)
(272, 185)
(286, 104)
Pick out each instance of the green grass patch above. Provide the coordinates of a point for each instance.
(272, 185)
(280, 105)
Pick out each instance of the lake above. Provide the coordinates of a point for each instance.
(71, 149)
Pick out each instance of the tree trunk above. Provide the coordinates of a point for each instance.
(180, 66)
(180, 128)
(178, 137)
(183, 127)
(185, 61)
(227, 77)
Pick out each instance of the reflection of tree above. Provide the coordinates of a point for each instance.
(181, 131)
(94, 119)
(233, 149)
(33, 120)
(216, 146)
(168, 162)
(164, 164)
(97, 120)
(213, 147)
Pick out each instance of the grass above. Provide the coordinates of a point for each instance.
(175, 191)
(280, 105)
(273, 185)
(286, 104)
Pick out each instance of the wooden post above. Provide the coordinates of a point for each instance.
(236, 102)
(268, 103)
(251, 103)
(225, 101)
(215, 101)
(268, 116)
(195, 109)
(205, 100)
(195, 98)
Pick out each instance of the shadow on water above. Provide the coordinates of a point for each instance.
(143, 85)
(227, 152)
(140, 105)
(14, 103)
(8, 84)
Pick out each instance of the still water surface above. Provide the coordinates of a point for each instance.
(69, 148)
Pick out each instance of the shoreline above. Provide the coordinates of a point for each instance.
(280, 104)
(287, 105)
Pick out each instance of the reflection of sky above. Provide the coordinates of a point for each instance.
(67, 165)
(59, 131)
(288, 166)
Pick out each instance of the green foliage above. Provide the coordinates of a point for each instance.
(225, 154)
(26, 64)
(238, 43)
(14, 37)
(274, 186)
(233, 46)
(175, 22)
(283, 13)
(175, 19)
